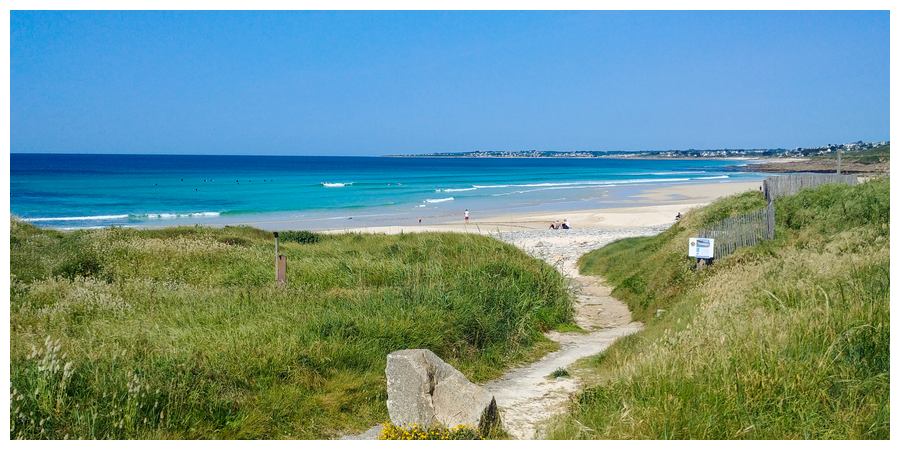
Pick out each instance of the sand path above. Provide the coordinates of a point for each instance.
(528, 396)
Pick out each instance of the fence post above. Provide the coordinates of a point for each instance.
(770, 220)
(280, 265)
(281, 270)
(839, 161)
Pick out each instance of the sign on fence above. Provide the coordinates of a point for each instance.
(749, 229)
(703, 248)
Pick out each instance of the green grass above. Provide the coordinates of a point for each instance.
(786, 340)
(866, 156)
(181, 333)
(649, 273)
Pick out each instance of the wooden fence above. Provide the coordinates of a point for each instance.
(777, 186)
(748, 229)
(741, 231)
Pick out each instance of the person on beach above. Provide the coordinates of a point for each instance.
(467, 217)
(566, 225)
(678, 216)
(555, 225)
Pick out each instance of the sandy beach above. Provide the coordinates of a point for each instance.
(650, 207)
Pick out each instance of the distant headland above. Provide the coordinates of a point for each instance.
(799, 152)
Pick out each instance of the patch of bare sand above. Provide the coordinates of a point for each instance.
(595, 308)
(649, 207)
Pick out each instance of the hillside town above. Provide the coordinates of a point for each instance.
(799, 152)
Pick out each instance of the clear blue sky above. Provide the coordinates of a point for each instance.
(375, 83)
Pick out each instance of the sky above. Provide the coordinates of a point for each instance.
(408, 82)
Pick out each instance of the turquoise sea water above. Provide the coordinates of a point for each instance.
(67, 191)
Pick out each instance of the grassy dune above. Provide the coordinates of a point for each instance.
(786, 340)
(181, 333)
(867, 156)
(870, 161)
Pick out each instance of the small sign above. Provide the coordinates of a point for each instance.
(701, 248)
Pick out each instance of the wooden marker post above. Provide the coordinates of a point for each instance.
(839, 161)
(281, 270)
(280, 265)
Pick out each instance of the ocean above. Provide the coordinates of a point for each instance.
(74, 191)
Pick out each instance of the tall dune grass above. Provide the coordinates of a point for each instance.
(786, 340)
(182, 332)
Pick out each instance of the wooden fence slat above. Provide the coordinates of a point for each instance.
(751, 228)
(735, 232)
(778, 186)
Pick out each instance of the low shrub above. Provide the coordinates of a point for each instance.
(83, 263)
(300, 237)
(235, 240)
(416, 432)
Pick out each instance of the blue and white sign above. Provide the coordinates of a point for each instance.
(703, 248)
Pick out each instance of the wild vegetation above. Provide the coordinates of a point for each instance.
(417, 432)
(864, 156)
(789, 339)
(869, 161)
(181, 333)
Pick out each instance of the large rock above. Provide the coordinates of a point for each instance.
(424, 389)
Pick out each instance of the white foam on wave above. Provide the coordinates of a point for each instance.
(644, 180)
(677, 173)
(120, 216)
(85, 228)
(335, 184)
(571, 183)
(526, 191)
(176, 215)
(502, 186)
(438, 200)
(456, 190)
(594, 184)
(61, 219)
(582, 184)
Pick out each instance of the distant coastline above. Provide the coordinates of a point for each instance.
(726, 153)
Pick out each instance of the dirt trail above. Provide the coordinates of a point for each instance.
(527, 395)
